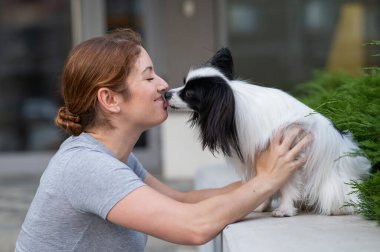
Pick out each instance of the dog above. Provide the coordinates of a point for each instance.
(239, 119)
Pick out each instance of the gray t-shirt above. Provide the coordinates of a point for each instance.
(81, 184)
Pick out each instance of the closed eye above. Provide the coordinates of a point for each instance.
(189, 93)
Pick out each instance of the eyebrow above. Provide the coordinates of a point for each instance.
(148, 68)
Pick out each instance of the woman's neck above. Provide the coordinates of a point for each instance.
(120, 143)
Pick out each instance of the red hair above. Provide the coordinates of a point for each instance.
(104, 61)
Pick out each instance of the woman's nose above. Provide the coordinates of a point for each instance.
(163, 85)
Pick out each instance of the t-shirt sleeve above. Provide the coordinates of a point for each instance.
(137, 167)
(94, 182)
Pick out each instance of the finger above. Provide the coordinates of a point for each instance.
(299, 163)
(278, 137)
(291, 136)
(303, 143)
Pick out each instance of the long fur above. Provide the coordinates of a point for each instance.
(240, 119)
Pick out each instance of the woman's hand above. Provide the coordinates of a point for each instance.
(278, 162)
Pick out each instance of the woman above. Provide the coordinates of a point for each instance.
(96, 196)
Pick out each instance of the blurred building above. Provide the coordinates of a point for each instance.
(275, 43)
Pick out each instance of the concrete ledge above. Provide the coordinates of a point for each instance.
(311, 233)
(305, 232)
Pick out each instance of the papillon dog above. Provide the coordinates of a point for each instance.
(239, 119)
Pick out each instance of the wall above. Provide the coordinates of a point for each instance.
(176, 41)
(182, 153)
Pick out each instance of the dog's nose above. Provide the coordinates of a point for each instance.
(168, 95)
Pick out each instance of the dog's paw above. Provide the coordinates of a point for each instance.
(280, 212)
(343, 211)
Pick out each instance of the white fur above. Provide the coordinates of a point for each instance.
(321, 183)
(177, 102)
(260, 112)
(204, 72)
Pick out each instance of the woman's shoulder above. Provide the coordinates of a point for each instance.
(82, 152)
(83, 141)
(83, 144)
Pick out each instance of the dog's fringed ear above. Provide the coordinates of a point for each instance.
(223, 61)
(218, 129)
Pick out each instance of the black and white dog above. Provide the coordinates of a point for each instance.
(238, 119)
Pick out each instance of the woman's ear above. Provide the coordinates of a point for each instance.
(109, 100)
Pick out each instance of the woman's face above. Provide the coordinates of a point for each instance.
(144, 106)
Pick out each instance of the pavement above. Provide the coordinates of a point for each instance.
(16, 194)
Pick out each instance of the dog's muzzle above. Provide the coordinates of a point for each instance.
(168, 95)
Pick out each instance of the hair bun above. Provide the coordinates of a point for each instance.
(68, 121)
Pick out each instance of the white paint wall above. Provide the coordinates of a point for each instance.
(182, 154)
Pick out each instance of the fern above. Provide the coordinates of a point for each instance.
(369, 197)
(352, 103)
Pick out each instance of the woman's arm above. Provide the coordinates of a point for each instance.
(154, 213)
(188, 197)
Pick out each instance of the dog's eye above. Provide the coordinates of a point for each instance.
(189, 93)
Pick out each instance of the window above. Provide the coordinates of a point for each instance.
(35, 38)
(281, 43)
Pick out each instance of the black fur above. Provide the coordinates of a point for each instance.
(223, 61)
(213, 102)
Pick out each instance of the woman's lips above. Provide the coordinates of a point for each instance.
(165, 103)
